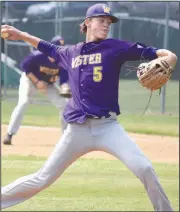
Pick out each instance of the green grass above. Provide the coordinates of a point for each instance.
(90, 185)
(48, 115)
(156, 124)
(36, 115)
(133, 98)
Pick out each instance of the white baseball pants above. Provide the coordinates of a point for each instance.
(78, 139)
(26, 91)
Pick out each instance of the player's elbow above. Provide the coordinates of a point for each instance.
(173, 59)
(165, 52)
(174, 56)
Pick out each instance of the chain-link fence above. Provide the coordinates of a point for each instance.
(133, 98)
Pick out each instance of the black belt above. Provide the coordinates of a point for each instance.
(97, 117)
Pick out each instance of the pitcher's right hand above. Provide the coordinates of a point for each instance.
(11, 33)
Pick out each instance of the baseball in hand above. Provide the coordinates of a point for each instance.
(4, 35)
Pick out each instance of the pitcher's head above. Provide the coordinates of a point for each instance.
(98, 20)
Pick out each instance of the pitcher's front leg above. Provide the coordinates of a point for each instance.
(117, 142)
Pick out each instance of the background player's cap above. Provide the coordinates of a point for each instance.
(100, 10)
(58, 40)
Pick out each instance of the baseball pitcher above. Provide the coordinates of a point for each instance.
(40, 72)
(93, 67)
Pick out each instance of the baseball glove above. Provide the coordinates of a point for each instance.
(153, 75)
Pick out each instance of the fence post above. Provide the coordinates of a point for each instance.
(60, 6)
(6, 53)
(166, 37)
(58, 18)
(111, 31)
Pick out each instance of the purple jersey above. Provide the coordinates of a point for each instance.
(94, 70)
(40, 65)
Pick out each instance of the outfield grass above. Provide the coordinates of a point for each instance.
(48, 115)
(90, 185)
(151, 124)
(133, 97)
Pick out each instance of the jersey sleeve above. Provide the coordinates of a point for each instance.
(139, 51)
(130, 51)
(60, 54)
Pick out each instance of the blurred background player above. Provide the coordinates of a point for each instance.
(64, 85)
(40, 73)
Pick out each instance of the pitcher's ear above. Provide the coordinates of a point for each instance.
(87, 22)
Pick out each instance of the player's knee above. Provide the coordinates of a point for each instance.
(46, 183)
(42, 185)
(42, 182)
(143, 170)
(147, 169)
(24, 103)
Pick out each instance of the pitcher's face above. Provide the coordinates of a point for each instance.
(99, 27)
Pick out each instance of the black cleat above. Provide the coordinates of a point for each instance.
(7, 139)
